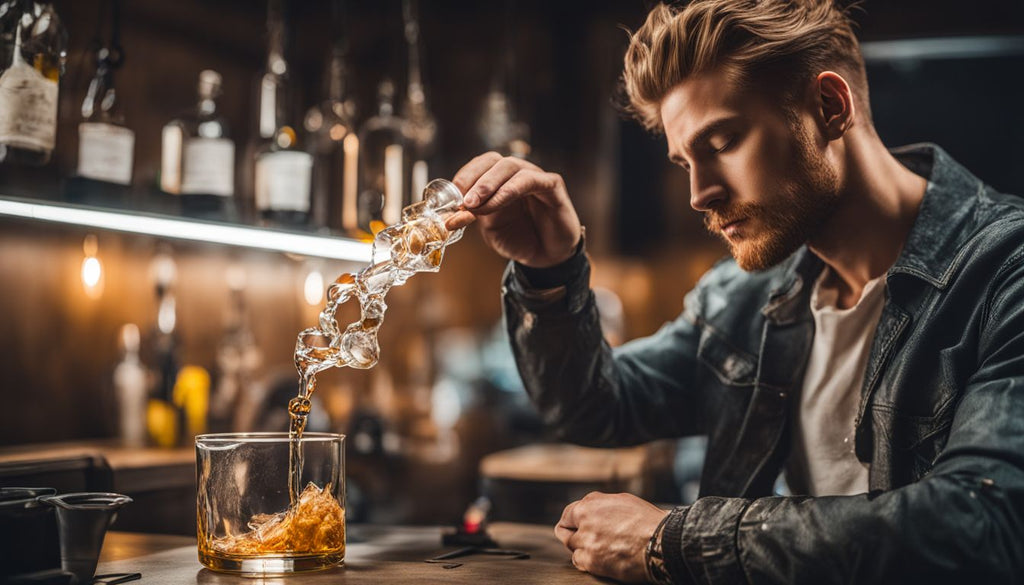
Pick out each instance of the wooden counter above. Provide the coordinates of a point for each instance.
(162, 482)
(375, 555)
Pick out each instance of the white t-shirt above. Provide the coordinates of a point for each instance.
(822, 461)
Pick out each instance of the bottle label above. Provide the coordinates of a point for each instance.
(282, 180)
(209, 167)
(170, 158)
(105, 152)
(28, 108)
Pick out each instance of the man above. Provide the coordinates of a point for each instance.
(866, 340)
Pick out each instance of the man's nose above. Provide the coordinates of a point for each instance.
(706, 189)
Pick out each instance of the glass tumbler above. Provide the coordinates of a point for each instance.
(247, 523)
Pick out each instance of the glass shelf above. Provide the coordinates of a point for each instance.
(331, 247)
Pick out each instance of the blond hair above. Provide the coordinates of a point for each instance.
(775, 44)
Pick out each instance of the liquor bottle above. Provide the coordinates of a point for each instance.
(130, 389)
(238, 360)
(198, 157)
(160, 354)
(421, 126)
(332, 137)
(282, 169)
(383, 168)
(498, 127)
(33, 50)
(106, 146)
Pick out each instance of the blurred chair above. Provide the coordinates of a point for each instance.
(533, 484)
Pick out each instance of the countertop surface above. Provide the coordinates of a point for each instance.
(117, 455)
(375, 554)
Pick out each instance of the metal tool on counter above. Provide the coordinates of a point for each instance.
(472, 535)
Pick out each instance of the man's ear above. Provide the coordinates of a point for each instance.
(835, 100)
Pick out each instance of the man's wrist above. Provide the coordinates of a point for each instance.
(672, 548)
(654, 557)
(558, 275)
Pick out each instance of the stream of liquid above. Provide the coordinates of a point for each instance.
(415, 244)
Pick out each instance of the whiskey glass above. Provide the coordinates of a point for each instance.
(247, 523)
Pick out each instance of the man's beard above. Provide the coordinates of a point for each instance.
(788, 220)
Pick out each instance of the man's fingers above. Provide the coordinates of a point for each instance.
(474, 169)
(580, 559)
(563, 534)
(537, 183)
(565, 530)
(459, 219)
(493, 179)
(568, 519)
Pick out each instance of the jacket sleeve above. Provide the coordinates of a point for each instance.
(963, 522)
(590, 394)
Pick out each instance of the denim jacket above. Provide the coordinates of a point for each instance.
(940, 421)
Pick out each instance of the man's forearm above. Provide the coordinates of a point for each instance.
(556, 337)
(953, 527)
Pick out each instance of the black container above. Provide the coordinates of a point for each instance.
(28, 532)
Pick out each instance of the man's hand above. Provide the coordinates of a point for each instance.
(607, 534)
(525, 213)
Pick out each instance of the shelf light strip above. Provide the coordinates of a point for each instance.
(306, 245)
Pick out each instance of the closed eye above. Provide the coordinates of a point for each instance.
(725, 143)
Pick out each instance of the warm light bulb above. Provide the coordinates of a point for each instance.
(314, 288)
(92, 270)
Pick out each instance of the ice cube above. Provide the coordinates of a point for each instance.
(359, 347)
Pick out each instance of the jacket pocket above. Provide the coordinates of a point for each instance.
(914, 442)
(729, 364)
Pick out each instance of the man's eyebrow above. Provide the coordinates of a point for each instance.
(709, 129)
(703, 135)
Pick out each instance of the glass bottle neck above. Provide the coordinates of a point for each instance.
(100, 102)
(276, 38)
(336, 75)
(207, 105)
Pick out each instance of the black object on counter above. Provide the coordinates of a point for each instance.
(82, 521)
(28, 532)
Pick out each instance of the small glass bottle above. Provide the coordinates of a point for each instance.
(198, 157)
(383, 167)
(33, 51)
(282, 169)
(333, 140)
(130, 378)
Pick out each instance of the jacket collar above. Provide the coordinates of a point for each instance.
(930, 252)
(945, 220)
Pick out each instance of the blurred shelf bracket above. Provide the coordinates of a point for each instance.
(331, 247)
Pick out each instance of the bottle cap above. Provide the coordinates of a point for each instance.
(209, 83)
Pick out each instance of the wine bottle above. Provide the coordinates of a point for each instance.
(106, 145)
(198, 157)
(421, 126)
(282, 168)
(332, 137)
(33, 51)
(383, 166)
